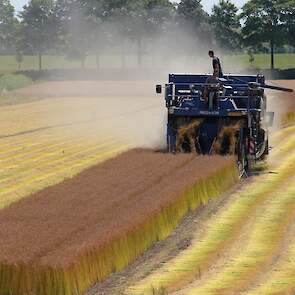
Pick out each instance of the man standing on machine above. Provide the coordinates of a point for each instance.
(217, 69)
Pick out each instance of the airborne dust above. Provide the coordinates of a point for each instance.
(120, 99)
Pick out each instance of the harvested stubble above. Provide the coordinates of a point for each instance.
(65, 238)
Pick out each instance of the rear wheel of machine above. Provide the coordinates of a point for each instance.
(243, 165)
(242, 162)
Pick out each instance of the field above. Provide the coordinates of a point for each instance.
(231, 62)
(84, 203)
(244, 243)
(122, 215)
(45, 141)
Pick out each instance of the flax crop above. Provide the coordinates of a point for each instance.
(69, 236)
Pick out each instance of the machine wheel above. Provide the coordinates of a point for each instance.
(242, 162)
(243, 166)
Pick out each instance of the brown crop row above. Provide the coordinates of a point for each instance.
(64, 238)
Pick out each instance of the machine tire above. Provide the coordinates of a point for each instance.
(242, 161)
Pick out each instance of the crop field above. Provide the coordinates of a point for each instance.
(257, 224)
(122, 216)
(34, 155)
(9, 64)
(248, 246)
(46, 141)
(79, 200)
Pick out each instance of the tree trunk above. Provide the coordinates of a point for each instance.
(123, 55)
(83, 62)
(97, 56)
(139, 52)
(40, 60)
(272, 53)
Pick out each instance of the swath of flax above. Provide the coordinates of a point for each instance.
(97, 261)
(281, 279)
(184, 267)
(264, 241)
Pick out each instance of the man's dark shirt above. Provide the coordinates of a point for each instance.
(216, 62)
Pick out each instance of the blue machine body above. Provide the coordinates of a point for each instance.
(234, 100)
(212, 107)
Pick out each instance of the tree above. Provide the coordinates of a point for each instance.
(39, 27)
(7, 25)
(265, 22)
(19, 59)
(127, 20)
(288, 17)
(192, 15)
(194, 30)
(226, 25)
(146, 20)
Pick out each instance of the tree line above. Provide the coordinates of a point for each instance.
(78, 28)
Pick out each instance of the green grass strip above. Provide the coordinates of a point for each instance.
(11, 82)
(222, 230)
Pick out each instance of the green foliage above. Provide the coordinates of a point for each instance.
(192, 16)
(39, 26)
(7, 25)
(82, 28)
(226, 25)
(11, 82)
(288, 17)
(267, 21)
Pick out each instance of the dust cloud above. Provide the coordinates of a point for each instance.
(126, 110)
(124, 104)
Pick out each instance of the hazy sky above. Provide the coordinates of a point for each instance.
(207, 3)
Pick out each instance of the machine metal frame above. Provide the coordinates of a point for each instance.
(234, 104)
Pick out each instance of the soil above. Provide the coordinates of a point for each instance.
(55, 226)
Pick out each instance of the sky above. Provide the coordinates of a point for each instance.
(206, 3)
